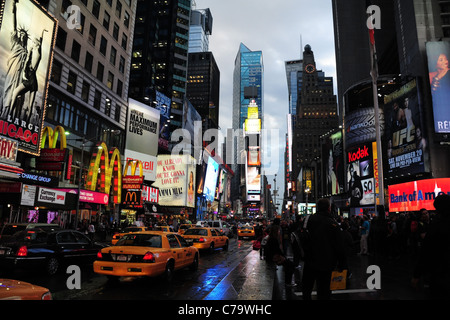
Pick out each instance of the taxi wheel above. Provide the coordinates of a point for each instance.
(194, 265)
(52, 266)
(168, 274)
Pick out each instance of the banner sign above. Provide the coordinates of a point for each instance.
(51, 196)
(27, 36)
(415, 195)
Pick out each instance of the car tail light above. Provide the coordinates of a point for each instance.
(201, 239)
(22, 252)
(47, 296)
(99, 255)
(149, 257)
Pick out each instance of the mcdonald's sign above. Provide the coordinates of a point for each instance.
(133, 198)
(53, 158)
(110, 167)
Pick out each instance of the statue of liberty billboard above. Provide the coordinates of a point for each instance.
(26, 43)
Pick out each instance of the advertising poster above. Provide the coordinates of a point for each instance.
(173, 179)
(163, 105)
(438, 53)
(334, 164)
(142, 137)
(212, 173)
(27, 35)
(360, 175)
(405, 133)
(415, 195)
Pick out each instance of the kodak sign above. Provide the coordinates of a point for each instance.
(361, 153)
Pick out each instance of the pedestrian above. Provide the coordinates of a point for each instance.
(91, 231)
(364, 232)
(326, 252)
(274, 253)
(434, 257)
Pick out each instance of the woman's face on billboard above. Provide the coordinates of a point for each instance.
(442, 62)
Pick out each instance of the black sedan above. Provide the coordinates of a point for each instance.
(49, 250)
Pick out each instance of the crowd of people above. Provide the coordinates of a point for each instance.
(324, 242)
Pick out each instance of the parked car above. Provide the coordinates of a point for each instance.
(10, 228)
(116, 237)
(36, 248)
(20, 290)
(206, 238)
(147, 253)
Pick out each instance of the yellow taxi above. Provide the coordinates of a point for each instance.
(163, 228)
(146, 253)
(116, 237)
(246, 232)
(206, 238)
(183, 227)
(20, 290)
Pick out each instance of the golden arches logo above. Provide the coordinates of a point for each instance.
(133, 164)
(53, 135)
(110, 167)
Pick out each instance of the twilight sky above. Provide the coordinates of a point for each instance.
(280, 29)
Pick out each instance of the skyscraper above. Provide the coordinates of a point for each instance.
(248, 90)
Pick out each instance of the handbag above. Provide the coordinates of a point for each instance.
(338, 280)
(278, 259)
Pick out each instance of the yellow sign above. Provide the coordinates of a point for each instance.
(252, 125)
(252, 113)
(133, 164)
(100, 161)
(53, 137)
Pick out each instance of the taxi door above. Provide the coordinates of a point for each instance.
(219, 240)
(188, 251)
(178, 252)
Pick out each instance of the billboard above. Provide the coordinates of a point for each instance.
(212, 173)
(362, 168)
(415, 195)
(438, 53)
(333, 166)
(27, 36)
(405, 134)
(174, 178)
(163, 105)
(142, 136)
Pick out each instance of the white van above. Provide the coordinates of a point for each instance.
(222, 226)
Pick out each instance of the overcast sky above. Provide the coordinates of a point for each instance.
(280, 29)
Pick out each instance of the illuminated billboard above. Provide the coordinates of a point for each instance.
(333, 166)
(252, 125)
(174, 178)
(212, 173)
(405, 134)
(27, 35)
(438, 53)
(415, 195)
(142, 136)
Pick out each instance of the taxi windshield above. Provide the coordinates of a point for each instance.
(246, 228)
(140, 240)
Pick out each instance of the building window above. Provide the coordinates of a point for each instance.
(81, 27)
(124, 41)
(72, 82)
(61, 39)
(88, 62)
(107, 107)
(119, 88)
(85, 91)
(75, 54)
(106, 19)
(122, 64)
(96, 8)
(103, 45)
(112, 56)
(92, 35)
(117, 113)
(126, 19)
(56, 72)
(110, 81)
(118, 9)
(116, 32)
(100, 71)
(97, 99)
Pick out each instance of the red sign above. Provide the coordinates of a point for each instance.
(90, 196)
(415, 195)
(53, 155)
(360, 154)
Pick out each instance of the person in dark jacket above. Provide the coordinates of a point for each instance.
(274, 253)
(326, 252)
(434, 255)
